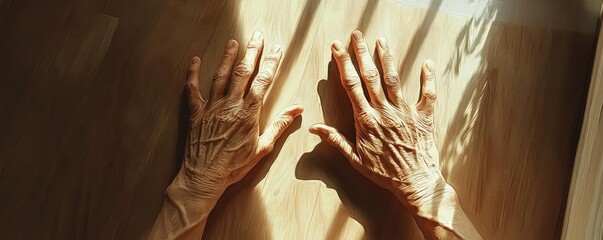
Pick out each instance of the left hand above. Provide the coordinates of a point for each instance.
(224, 141)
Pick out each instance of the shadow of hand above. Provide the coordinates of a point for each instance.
(381, 215)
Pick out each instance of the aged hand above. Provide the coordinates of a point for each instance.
(395, 145)
(394, 140)
(224, 141)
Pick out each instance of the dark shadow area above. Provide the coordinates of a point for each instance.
(476, 98)
(367, 14)
(417, 41)
(362, 199)
(292, 52)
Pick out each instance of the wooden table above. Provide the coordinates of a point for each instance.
(93, 118)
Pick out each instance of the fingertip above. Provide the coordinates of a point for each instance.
(194, 67)
(337, 47)
(319, 129)
(428, 66)
(195, 60)
(297, 110)
(232, 45)
(293, 110)
(276, 49)
(314, 129)
(382, 43)
(257, 35)
(195, 63)
(357, 35)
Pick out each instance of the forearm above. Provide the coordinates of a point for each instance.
(439, 214)
(183, 214)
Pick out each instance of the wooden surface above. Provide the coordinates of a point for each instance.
(93, 118)
(584, 212)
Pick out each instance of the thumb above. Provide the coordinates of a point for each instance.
(337, 140)
(276, 129)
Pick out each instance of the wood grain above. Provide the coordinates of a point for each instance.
(93, 116)
(584, 211)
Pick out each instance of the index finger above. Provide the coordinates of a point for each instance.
(349, 77)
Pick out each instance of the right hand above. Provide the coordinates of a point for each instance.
(395, 145)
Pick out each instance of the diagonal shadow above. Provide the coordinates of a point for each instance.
(361, 198)
(418, 39)
(291, 55)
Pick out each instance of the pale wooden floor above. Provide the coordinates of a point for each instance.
(92, 119)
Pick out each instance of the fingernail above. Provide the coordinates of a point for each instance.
(195, 60)
(358, 36)
(276, 48)
(313, 129)
(337, 46)
(429, 65)
(256, 36)
(231, 44)
(383, 43)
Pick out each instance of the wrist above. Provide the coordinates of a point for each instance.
(193, 196)
(420, 190)
(184, 209)
(432, 199)
(196, 189)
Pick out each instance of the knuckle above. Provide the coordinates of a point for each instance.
(430, 94)
(351, 79)
(387, 57)
(343, 57)
(190, 86)
(365, 118)
(391, 78)
(371, 75)
(362, 48)
(255, 102)
(272, 58)
(228, 56)
(264, 77)
(220, 74)
(243, 70)
(254, 45)
(429, 76)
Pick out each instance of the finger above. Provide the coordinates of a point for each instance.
(221, 76)
(195, 100)
(428, 93)
(276, 129)
(243, 71)
(337, 140)
(390, 74)
(349, 78)
(369, 71)
(264, 78)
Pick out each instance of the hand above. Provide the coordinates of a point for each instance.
(224, 141)
(395, 145)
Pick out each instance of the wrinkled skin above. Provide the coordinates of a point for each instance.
(395, 145)
(394, 140)
(224, 141)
